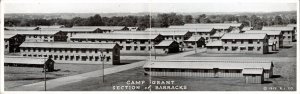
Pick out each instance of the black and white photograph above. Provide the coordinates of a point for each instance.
(150, 45)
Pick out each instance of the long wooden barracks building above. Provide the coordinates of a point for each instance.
(40, 36)
(207, 68)
(12, 43)
(68, 52)
(288, 34)
(240, 43)
(129, 43)
(274, 37)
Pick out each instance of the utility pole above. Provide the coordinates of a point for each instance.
(45, 80)
(102, 57)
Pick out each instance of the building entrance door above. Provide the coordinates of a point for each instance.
(216, 71)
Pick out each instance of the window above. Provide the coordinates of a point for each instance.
(238, 71)
(44, 49)
(107, 51)
(250, 41)
(143, 48)
(283, 37)
(39, 49)
(83, 58)
(258, 48)
(50, 50)
(142, 42)
(289, 37)
(226, 71)
(234, 48)
(66, 50)
(233, 42)
(219, 48)
(96, 58)
(225, 41)
(274, 37)
(23, 49)
(33, 49)
(288, 32)
(242, 41)
(135, 42)
(91, 50)
(242, 48)
(258, 42)
(226, 48)
(250, 48)
(96, 51)
(83, 51)
(108, 58)
(71, 50)
(135, 47)
(205, 71)
(72, 57)
(128, 42)
(128, 47)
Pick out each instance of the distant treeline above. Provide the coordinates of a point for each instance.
(160, 20)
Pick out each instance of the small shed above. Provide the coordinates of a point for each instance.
(195, 40)
(167, 46)
(18, 61)
(253, 75)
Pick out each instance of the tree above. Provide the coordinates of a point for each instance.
(200, 18)
(188, 19)
(278, 20)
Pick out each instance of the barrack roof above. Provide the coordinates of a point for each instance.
(164, 33)
(215, 43)
(253, 71)
(244, 36)
(7, 36)
(268, 32)
(25, 60)
(247, 28)
(193, 38)
(282, 28)
(165, 43)
(102, 27)
(68, 45)
(208, 64)
(114, 36)
(33, 32)
(21, 28)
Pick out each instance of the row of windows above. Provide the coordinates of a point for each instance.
(35, 36)
(77, 58)
(242, 42)
(63, 50)
(287, 36)
(241, 48)
(190, 70)
(114, 41)
(142, 48)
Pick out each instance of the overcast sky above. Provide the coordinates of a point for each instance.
(102, 6)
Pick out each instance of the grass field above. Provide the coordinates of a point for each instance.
(284, 79)
(17, 76)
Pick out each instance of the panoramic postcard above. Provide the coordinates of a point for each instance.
(86, 45)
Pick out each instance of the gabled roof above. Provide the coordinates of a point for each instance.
(244, 36)
(33, 32)
(52, 26)
(292, 25)
(216, 24)
(8, 36)
(21, 28)
(282, 28)
(25, 60)
(208, 64)
(166, 29)
(253, 71)
(164, 33)
(114, 36)
(70, 29)
(68, 45)
(208, 26)
(165, 43)
(102, 27)
(193, 38)
(215, 43)
(247, 28)
(268, 32)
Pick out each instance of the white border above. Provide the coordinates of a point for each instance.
(145, 1)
